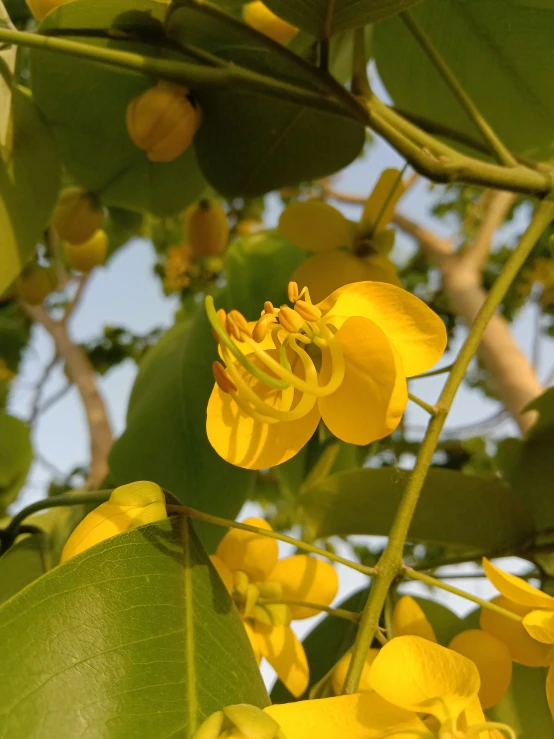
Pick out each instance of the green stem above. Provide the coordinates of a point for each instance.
(504, 156)
(433, 582)
(338, 612)
(433, 373)
(390, 562)
(217, 521)
(431, 410)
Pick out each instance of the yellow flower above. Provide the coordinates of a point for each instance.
(316, 226)
(345, 360)
(258, 581)
(129, 507)
(531, 642)
(260, 17)
(85, 257)
(341, 670)
(78, 216)
(420, 689)
(489, 653)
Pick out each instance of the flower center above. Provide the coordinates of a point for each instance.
(250, 599)
(286, 373)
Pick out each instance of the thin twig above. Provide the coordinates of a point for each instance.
(35, 406)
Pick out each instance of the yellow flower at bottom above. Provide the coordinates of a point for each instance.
(260, 17)
(344, 360)
(129, 507)
(262, 585)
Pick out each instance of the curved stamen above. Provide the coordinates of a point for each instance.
(226, 340)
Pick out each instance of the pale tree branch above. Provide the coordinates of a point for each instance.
(513, 377)
(82, 374)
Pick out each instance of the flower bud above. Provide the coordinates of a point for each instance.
(241, 720)
(129, 507)
(77, 216)
(35, 284)
(207, 228)
(39, 8)
(260, 17)
(87, 256)
(162, 121)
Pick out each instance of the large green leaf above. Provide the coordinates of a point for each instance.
(325, 645)
(165, 440)
(25, 561)
(16, 455)
(524, 707)
(136, 637)
(323, 18)
(249, 144)
(29, 182)
(502, 53)
(456, 509)
(85, 104)
(528, 464)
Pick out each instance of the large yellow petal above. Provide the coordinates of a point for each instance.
(372, 397)
(417, 675)
(360, 716)
(223, 571)
(493, 660)
(380, 206)
(540, 626)
(408, 619)
(253, 638)
(325, 273)
(129, 507)
(315, 226)
(524, 650)
(474, 716)
(285, 653)
(246, 442)
(252, 553)
(341, 670)
(550, 689)
(416, 332)
(515, 589)
(306, 578)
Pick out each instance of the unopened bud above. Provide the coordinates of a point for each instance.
(261, 328)
(87, 256)
(260, 17)
(162, 121)
(293, 291)
(222, 378)
(207, 228)
(211, 728)
(308, 311)
(290, 320)
(35, 284)
(39, 8)
(77, 216)
(252, 721)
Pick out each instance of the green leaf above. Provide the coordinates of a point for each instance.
(165, 440)
(501, 51)
(325, 645)
(135, 637)
(323, 18)
(24, 562)
(249, 144)
(456, 509)
(527, 465)
(524, 707)
(85, 104)
(16, 455)
(29, 184)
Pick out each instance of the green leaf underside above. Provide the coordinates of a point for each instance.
(510, 39)
(85, 104)
(322, 18)
(249, 144)
(25, 561)
(16, 455)
(478, 514)
(29, 184)
(135, 637)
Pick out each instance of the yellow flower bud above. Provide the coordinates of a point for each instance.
(77, 216)
(207, 228)
(260, 17)
(39, 8)
(341, 669)
(35, 284)
(162, 121)
(87, 256)
(129, 507)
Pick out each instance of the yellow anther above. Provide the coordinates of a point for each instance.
(293, 292)
(237, 325)
(222, 318)
(252, 595)
(222, 378)
(290, 320)
(240, 582)
(308, 311)
(262, 327)
(268, 307)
